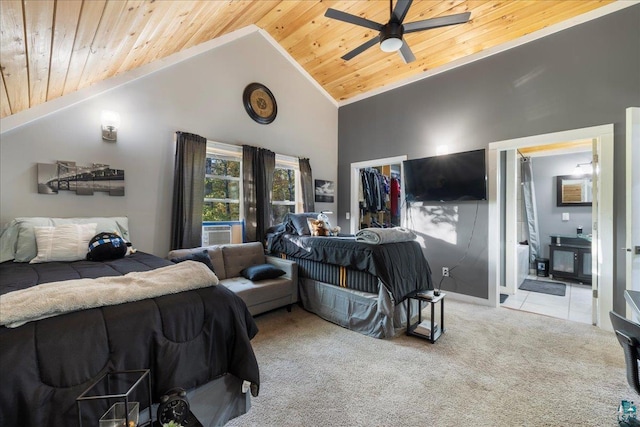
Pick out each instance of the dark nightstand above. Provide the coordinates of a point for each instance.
(428, 329)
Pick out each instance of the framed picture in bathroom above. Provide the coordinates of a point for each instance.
(574, 190)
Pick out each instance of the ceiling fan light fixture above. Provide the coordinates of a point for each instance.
(390, 34)
(391, 37)
(391, 44)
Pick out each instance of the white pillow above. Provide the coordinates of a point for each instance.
(68, 242)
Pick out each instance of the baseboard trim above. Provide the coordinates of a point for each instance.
(467, 298)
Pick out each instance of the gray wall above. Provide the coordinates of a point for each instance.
(202, 95)
(545, 170)
(580, 77)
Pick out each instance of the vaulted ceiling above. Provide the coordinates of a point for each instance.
(52, 48)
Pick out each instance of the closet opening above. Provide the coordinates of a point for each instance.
(376, 193)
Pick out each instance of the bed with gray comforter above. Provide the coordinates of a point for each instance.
(187, 339)
(355, 284)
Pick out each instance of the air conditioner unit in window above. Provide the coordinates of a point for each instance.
(216, 235)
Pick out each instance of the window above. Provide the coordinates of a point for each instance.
(222, 183)
(286, 182)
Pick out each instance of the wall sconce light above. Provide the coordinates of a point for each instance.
(110, 124)
(583, 168)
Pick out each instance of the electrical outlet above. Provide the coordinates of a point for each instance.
(445, 271)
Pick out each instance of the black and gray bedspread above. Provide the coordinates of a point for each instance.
(401, 267)
(19, 275)
(185, 339)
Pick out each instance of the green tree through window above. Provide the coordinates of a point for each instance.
(223, 184)
(221, 190)
(284, 193)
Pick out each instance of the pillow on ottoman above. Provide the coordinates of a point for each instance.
(261, 272)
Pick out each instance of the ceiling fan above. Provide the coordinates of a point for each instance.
(390, 37)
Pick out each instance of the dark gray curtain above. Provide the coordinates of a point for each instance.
(306, 181)
(258, 165)
(188, 191)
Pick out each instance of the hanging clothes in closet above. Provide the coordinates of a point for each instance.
(395, 196)
(375, 189)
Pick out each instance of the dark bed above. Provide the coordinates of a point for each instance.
(186, 339)
(357, 285)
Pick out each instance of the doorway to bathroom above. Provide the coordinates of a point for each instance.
(503, 236)
(553, 220)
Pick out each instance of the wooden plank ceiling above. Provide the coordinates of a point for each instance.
(52, 48)
(562, 147)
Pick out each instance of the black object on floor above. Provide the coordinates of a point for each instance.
(544, 287)
(191, 421)
(503, 298)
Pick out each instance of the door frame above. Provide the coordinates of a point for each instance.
(355, 182)
(632, 273)
(602, 248)
(510, 210)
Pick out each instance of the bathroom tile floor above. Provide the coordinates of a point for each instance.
(574, 306)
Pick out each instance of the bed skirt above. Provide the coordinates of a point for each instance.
(214, 403)
(219, 401)
(370, 314)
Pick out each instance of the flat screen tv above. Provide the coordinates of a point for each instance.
(446, 178)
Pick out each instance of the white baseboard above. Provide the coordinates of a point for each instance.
(467, 298)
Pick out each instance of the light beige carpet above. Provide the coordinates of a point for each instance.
(492, 367)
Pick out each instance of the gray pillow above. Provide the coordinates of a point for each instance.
(298, 223)
(202, 257)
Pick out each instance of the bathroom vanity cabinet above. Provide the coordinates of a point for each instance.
(570, 258)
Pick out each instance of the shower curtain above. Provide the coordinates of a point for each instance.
(529, 198)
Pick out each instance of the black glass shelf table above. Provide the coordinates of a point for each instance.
(427, 329)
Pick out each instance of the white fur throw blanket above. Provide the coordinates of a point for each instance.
(55, 298)
(379, 236)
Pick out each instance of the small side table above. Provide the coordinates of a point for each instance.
(116, 386)
(435, 331)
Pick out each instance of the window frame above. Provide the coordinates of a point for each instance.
(231, 152)
(220, 150)
(291, 163)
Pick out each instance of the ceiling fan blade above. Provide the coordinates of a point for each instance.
(364, 46)
(442, 21)
(405, 53)
(401, 9)
(352, 19)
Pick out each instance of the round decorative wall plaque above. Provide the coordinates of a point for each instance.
(260, 103)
